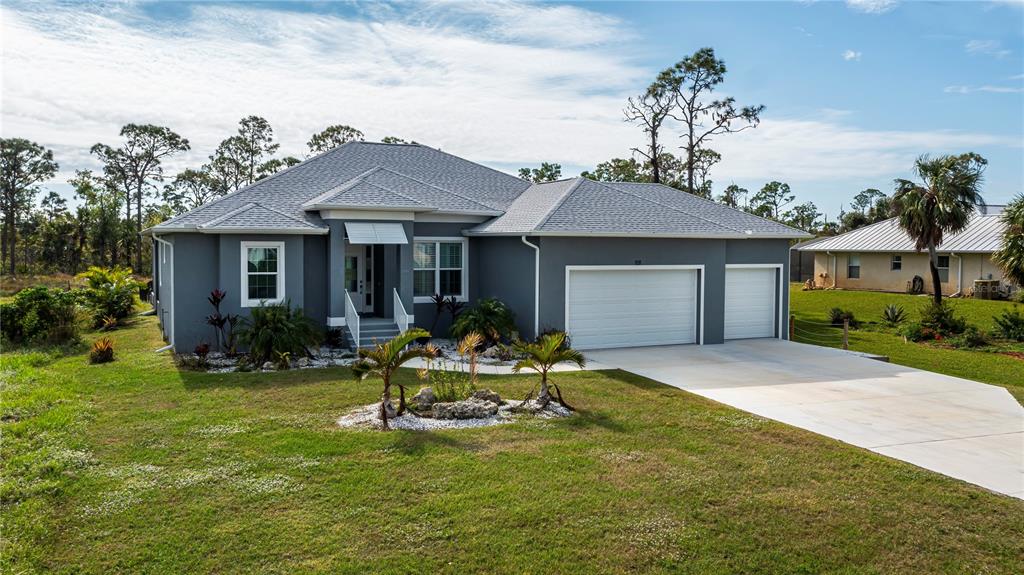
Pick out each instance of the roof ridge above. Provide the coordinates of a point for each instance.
(440, 151)
(333, 191)
(568, 191)
(719, 224)
(429, 185)
(230, 214)
(397, 193)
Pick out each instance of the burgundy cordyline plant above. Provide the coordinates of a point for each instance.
(219, 321)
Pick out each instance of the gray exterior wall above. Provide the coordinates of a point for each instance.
(195, 271)
(505, 271)
(557, 253)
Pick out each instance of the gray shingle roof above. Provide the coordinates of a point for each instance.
(363, 175)
(288, 190)
(255, 216)
(984, 234)
(584, 207)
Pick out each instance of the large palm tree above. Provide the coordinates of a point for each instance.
(942, 203)
(384, 359)
(1010, 257)
(542, 355)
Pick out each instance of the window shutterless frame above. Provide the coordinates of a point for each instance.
(437, 268)
(896, 263)
(248, 302)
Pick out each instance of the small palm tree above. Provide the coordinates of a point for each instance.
(468, 348)
(543, 355)
(941, 204)
(384, 359)
(1010, 257)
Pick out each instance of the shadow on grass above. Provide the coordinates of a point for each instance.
(418, 442)
(200, 380)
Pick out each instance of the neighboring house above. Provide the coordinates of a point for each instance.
(363, 235)
(882, 257)
(801, 261)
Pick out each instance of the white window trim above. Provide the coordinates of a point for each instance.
(246, 302)
(437, 276)
(892, 261)
(949, 261)
(850, 265)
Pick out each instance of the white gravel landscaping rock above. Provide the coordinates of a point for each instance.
(365, 417)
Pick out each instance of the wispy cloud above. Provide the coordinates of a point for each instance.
(989, 47)
(872, 6)
(851, 55)
(985, 88)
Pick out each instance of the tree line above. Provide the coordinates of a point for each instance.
(129, 193)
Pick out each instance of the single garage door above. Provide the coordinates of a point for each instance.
(750, 295)
(616, 307)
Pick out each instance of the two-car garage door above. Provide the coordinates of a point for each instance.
(628, 307)
(609, 306)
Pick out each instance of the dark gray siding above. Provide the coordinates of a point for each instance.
(314, 296)
(505, 271)
(194, 274)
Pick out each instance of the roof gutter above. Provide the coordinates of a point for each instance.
(536, 285)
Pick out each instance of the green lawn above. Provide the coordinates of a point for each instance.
(986, 365)
(136, 467)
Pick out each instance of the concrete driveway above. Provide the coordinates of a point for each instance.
(960, 428)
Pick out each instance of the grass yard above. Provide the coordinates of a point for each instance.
(986, 365)
(136, 467)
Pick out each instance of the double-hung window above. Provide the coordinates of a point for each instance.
(896, 264)
(943, 268)
(440, 267)
(853, 267)
(262, 273)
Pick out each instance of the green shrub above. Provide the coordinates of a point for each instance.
(490, 318)
(942, 319)
(837, 315)
(1010, 324)
(102, 351)
(450, 385)
(273, 330)
(40, 315)
(971, 337)
(893, 314)
(918, 332)
(110, 293)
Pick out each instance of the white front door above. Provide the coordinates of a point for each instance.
(630, 306)
(359, 276)
(750, 308)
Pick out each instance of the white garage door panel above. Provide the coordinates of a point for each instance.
(750, 295)
(629, 308)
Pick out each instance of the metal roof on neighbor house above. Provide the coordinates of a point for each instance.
(580, 206)
(984, 234)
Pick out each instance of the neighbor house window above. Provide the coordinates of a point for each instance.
(262, 273)
(943, 269)
(853, 267)
(439, 267)
(896, 264)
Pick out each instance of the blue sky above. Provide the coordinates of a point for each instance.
(854, 90)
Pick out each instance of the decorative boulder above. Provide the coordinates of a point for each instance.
(491, 353)
(389, 409)
(468, 409)
(487, 395)
(424, 398)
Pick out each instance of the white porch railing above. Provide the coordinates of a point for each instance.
(402, 318)
(352, 318)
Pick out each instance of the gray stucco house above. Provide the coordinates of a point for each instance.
(361, 236)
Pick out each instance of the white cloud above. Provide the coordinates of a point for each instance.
(72, 77)
(851, 55)
(872, 6)
(985, 88)
(989, 47)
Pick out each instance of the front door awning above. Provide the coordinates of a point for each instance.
(386, 233)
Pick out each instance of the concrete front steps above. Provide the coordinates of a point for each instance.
(373, 330)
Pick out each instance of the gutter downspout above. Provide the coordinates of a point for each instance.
(835, 260)
(959, 274)
(536, 286)
(170, 247)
